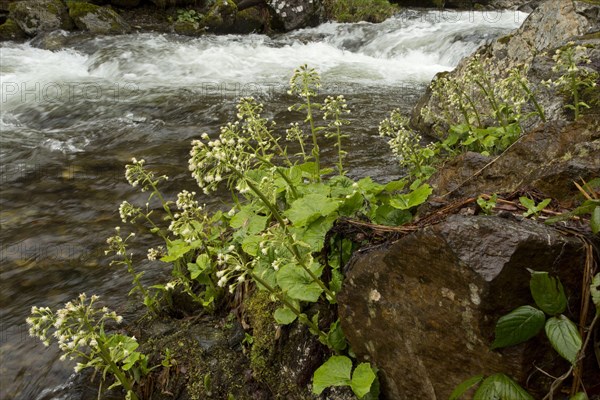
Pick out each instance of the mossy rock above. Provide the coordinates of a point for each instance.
(250, 20)
(34, 16)
(360, 10)
(96, 19)
(11, 31)
(220, 17)
(188, 28)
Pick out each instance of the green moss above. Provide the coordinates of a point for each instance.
(260, 310)
(505, 39)
(595, 2)
(80, 8)
(9, 30)
(359, 10)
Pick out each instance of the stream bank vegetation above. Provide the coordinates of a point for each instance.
(281, 235)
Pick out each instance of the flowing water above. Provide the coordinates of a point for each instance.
(72, 118)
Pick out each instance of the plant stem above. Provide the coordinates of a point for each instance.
(293, 247)
(315, 150)
(290, 306)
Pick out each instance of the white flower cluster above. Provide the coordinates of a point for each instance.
(136, 174)
(233, 268)
(189, 217)
(128, 212)
(238, 148)
(305, 82)
(116, 243)
(334, 108)
(403, 142)
(570, 62)
(77, 327)
(156, 253)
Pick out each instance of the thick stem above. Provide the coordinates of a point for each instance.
(293, 247)
(315, 150)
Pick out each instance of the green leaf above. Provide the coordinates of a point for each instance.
(334, 372)
(548, 293)
(595, 291)
(284, 316)
(564, 337)
(587, 207)
(579, 396)
(362, 379)
(518, 326)
(248, 220)
(201, 264)
(412, 199)
(314, 233)
(463, 387)
(391, 216)
(336, 339)
(595, 221)
(176, 249)
(297, 283)
(310, 207)
(527, 202)
(395, 186)
(501, 387)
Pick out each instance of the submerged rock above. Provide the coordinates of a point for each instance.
(96, 19)
(34, 16)
(423, 309)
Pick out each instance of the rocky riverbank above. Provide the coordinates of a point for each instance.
(24, 19)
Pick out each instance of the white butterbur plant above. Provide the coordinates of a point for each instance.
(406, 145)
(80, 331)
(576, 78)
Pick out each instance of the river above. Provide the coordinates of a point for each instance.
(72, 118)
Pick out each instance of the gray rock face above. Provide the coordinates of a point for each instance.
(423, 309)
(34, 16)
(548, 158)
(294, 14)
(96, 19)
(552, 25)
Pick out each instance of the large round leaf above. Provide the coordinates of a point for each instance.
(501, 387)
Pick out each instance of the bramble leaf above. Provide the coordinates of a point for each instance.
(564, 337)
(548, 293)
(518, 326)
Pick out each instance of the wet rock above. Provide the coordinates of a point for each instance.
(34, 16)
(552, 25)
(251, 20)
(54, 40)
(548, 159)
(96, 19)
(125, 3)
(220, 16)
(188, 28)
(423, 309)
(9, 30)
(295, 14)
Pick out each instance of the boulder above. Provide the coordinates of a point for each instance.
(294, 14)
(220, 16)
(34, 16)
(423, 309)
(96, 19)
(9, 30)
(547, 159)
(125, 3)
(552, 25)
(251, 20)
